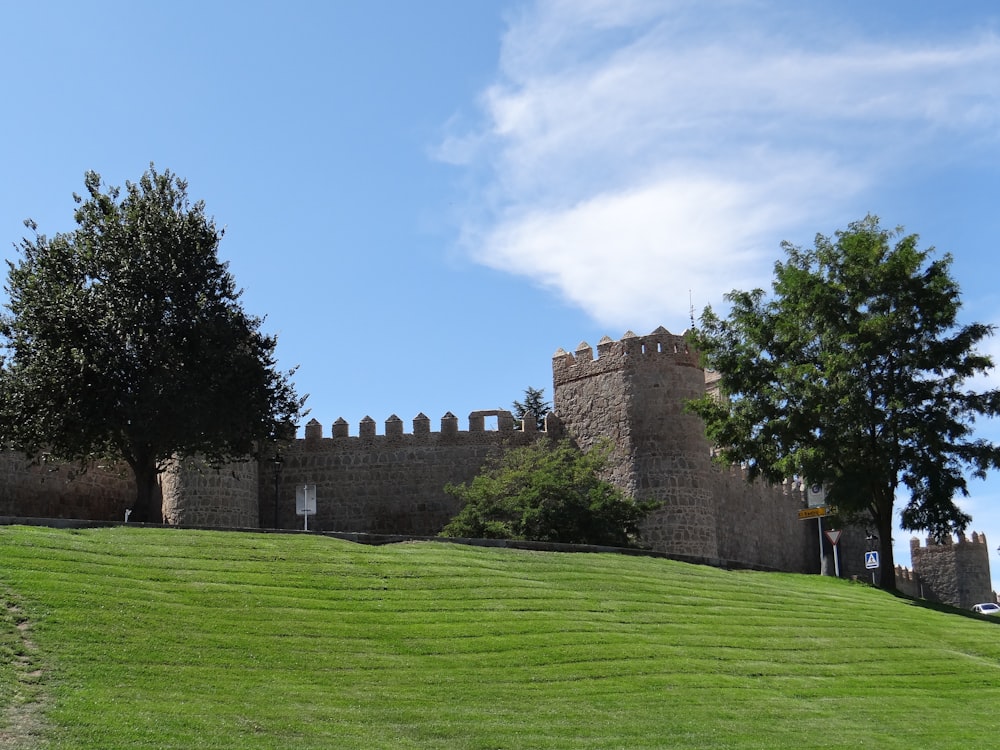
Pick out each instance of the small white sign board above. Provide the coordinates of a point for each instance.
(871, 560)
(815, 495)
(305, 502)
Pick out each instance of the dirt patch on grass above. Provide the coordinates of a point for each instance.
(22, 719)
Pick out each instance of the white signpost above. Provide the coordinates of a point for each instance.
(834, 537)
(871, 563)
(815, 495)
(816, 500)
(305, 502)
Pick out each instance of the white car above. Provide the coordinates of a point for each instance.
(989, 608)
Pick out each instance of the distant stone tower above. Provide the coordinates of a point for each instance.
(633, 393)
(956, 574)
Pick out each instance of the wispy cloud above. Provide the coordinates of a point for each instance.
(632, 151)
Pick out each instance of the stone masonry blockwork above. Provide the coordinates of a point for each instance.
(383, 484)
(953, 572)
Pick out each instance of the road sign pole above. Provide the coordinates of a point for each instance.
(305, 503)
(819, 526)
(871, 562)
(834, 536)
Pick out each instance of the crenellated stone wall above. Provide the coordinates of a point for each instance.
(391, 483)
(953, 573)
(907, 582)
(631, 393)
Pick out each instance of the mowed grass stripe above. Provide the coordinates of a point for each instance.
(167, 638)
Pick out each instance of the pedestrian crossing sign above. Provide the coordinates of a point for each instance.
(871, 560)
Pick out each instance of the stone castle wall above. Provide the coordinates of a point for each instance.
(760, 522)
(197, 494)
(385, 484)
(53, 489)
(954, 573)
(907, 582)
(631, 393)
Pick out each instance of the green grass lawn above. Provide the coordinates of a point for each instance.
(148, 638)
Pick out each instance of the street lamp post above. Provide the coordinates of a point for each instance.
(278, 463)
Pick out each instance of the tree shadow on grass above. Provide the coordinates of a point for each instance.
(947, 609)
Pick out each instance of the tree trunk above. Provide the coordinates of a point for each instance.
(887, 565)
(148, 506)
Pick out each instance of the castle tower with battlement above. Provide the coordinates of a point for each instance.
(633, 394)
(953, 572)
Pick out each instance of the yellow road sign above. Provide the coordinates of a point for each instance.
(812, 513)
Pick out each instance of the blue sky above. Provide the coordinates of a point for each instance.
(427, 199)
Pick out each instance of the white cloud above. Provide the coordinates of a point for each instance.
(630, 256)
(636, 150)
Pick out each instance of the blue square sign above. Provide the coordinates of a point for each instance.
(871, 560)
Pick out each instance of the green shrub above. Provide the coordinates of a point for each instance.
(549, 492)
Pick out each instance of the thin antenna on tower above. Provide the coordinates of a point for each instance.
(691, 308)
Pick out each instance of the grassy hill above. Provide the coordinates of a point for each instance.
(147, 638)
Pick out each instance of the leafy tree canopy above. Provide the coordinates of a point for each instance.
(534, 403)
(549, 492)
(125, 339)
(853, 374)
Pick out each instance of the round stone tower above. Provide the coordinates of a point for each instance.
(633, 394)
(196, 494)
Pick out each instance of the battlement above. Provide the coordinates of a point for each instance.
(908, 582)
(742, 474)
(505, 425)
(953, 570)
(947, 542)
(623, 354)
(392, 482)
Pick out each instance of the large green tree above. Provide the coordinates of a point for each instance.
(854, 374)
(550, 492)
(125, 339)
